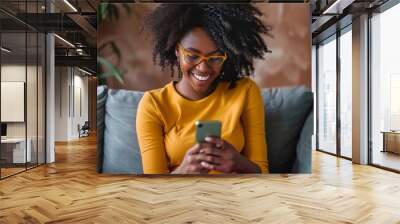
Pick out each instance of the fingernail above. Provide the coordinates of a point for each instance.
(201, 151)
(208, 139)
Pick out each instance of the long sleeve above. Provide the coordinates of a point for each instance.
(253, 121)
(150, 136)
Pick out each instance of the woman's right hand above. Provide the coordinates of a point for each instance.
(191, 163)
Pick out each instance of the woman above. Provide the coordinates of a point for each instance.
(212, 47)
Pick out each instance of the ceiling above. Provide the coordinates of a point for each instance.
(76, 24)
(330, 15)
(80, 27)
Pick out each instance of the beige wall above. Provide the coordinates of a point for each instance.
(17, 73)
(71, 95)
(288, 65)
(35, 124)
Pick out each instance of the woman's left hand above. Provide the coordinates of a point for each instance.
(227, 157)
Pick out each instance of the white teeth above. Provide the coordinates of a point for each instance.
(201, 78)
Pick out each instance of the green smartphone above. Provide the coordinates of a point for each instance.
(207, 128)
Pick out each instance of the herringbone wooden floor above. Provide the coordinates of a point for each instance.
(70, 191)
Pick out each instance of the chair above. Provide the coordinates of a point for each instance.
(84, 129)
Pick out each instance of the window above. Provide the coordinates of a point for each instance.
(327, 95)
(385, 88)
(346, 93)
(335, 137)
(22, 75)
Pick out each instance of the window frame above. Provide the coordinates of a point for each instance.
(333, 37)
(378, 10)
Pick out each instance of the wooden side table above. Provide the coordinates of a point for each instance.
(391, 141)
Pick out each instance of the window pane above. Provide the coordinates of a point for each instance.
(327, 96)
(345, 94)
(385, 86)
(15, 150)
(31, 99)
(41, 98)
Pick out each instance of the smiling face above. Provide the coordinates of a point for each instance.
(200, 62)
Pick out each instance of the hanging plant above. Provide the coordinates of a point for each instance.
(109, 12)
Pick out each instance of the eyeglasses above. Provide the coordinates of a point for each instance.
(214, 61)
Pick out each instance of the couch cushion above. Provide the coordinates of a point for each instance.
(302, 163)
(286, 110)
(101, 101)
(121, 150)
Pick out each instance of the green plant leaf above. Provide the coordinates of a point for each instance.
(116, 50)
(103, 11)
(113, 46)
(112, 11)
(111, 70)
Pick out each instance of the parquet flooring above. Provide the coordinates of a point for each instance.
(387, 159)
(70, 191)
(10, 171)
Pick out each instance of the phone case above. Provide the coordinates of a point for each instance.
(207, 128)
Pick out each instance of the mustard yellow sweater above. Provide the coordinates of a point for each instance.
(165, 124)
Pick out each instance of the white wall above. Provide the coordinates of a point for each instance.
(81, 82)
(12, 101)
(314, 90)
(33, 127)
(61, 103)
(17, 73)
(10, 73)
(71, 94)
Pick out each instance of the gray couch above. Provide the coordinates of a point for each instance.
(289, 126)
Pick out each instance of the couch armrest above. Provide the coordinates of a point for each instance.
(302, 163)
(101, 102)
